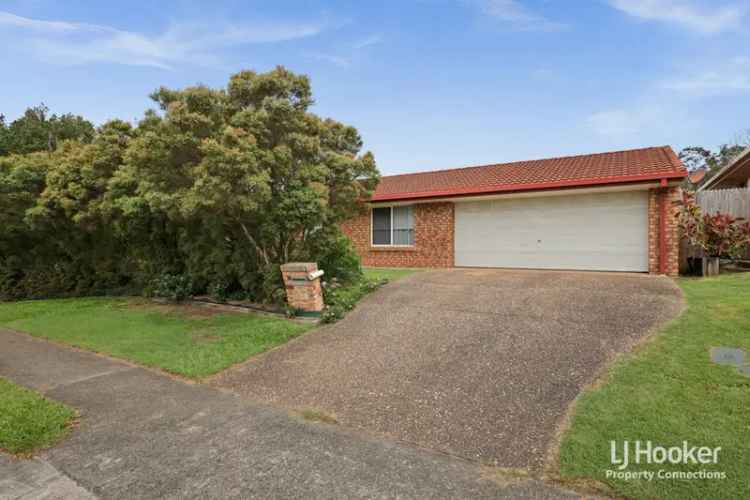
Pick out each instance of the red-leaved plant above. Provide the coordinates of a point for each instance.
(719, 235)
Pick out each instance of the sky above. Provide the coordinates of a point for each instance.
(429, 84)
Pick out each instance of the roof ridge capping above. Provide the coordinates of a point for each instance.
(666, 150)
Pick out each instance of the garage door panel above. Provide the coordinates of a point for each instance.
(594, 231)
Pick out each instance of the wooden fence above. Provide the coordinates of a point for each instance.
(735, 202)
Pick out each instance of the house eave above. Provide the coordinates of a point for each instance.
(539, 192)
(742, 160)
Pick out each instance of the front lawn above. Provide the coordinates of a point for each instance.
(29, 421)
(182, 340)
(669, 392)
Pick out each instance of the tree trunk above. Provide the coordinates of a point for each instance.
(260, 251)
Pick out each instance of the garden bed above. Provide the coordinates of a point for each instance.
(343, 298)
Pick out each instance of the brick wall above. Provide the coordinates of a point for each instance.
(434, 226)
(672, 196)
(433, 239)
(301, 292)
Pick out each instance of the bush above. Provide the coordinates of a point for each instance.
(219, 291)
(59, 277)
(341, 299)
(272, 286)
(174, 287)
(719, 235)
(335, 255)
(220, 187)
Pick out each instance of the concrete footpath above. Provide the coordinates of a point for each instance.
(145, 435)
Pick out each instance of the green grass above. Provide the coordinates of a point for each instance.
(151, 335)
(354, 292)
(345, 298)
(669, 392)
(29, 421)
(392, 274)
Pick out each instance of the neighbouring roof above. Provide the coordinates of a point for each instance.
(736, 174)
(637, 165)
(696, 176)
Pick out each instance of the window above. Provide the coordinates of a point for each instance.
(393, 226)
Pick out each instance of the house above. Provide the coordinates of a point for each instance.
(605, 212)
(734, 175)
(728, 191)
(696, 178)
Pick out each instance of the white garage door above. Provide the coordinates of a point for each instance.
(603, 232)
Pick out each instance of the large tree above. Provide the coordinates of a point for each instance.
(247, 170)
(3, 136)
(700, 158)
(218, 185)
(37, 130)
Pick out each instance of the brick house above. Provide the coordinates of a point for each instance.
(604, 212)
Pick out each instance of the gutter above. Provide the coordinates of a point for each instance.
(453, 193)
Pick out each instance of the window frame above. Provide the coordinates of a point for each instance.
(391, 244)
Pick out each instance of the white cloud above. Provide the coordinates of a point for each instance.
(339, 61)
(70, 43)
(8, 19)
(730, 78)
(686, 13)
(515, 15)
(366, 42)
(343, 61)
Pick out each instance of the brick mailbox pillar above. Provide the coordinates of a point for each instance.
(302, 283)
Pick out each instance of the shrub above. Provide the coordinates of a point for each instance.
(59, 277)
(336, 256)
(341, 299)
(719, 235)
(223, 186)
(174, 287)
(272, 285)
(219, 291)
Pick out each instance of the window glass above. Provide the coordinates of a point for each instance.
(381, 226)
(403, 226)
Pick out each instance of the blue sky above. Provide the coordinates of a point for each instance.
(429, 84)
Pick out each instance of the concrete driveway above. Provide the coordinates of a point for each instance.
(480, 364)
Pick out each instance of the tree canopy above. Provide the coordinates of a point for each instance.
(701, 158)
(219, 185)
(37, 130)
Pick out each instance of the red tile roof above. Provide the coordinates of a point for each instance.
(637, 165)
(696, 176)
